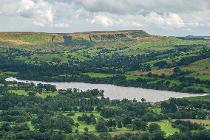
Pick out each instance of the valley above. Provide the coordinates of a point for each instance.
(104, 85)
(127, 58)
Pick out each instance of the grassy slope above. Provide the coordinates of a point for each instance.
(82, 125)
(42, 42)
(166, 127)
(98, 75)
(19, 92)
(202, 99)
(200, 69)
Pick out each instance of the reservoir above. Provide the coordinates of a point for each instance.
(117, 92)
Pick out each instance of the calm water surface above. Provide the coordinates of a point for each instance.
(117, 92)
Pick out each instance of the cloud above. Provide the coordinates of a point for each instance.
(102, 20)
(26, 8)
(134, 6)
(170, 20)
(156, 16)
(62, 24)
(8, 7)
(40, 11)
(166, 21)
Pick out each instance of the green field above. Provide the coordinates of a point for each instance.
(98, 75)
(167, 128)
(19, 92)
(200, 99)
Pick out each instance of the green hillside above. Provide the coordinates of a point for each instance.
(127, 58)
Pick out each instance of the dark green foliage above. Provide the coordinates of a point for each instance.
(34, 117)
(187, 125)
(194, 135)
(139, 124)
(153, 127)
(101, 127)
(87, 119)
(60, 122)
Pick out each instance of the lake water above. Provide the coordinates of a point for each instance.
(117, 92)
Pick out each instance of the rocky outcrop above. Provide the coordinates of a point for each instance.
(117, 35)
(86, 38)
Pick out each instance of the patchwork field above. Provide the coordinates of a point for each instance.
(127, 58)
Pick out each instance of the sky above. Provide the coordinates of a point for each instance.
(158, 17)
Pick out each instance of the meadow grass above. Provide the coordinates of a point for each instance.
(99, 75)
(201, 66)
(156, 109)
(50, 57)
(46, 94)
(82, 125)
(166, 127)
(205, 77)
(31, 127)
(19, 92)
(79, 57)
(199, 99)
(131, 77)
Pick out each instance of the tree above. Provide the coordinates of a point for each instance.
(86, 129)
(161, 64)
(5, 127)
(139, 124)
(101, 127)
(76, 125)
(119, 124)
(111, 123)
(153, 127)
(56, 60)
(32, 93)
(143, 100)
(169, 106)
(10, 136)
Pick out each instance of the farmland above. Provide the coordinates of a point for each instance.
(127, 58)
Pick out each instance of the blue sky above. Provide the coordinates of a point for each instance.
(161, 17)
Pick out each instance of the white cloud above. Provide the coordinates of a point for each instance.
(40, 11)
(133, 6)
(62, 24)
(26, 5)
(102, 20)
(170, 20)
(8, 7)
(156, 16)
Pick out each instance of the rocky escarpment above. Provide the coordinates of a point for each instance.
(117, 35)
(86, 38)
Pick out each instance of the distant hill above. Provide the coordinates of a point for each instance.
(116, 35)
(128, 57)
(191, 37)
(70, 39)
